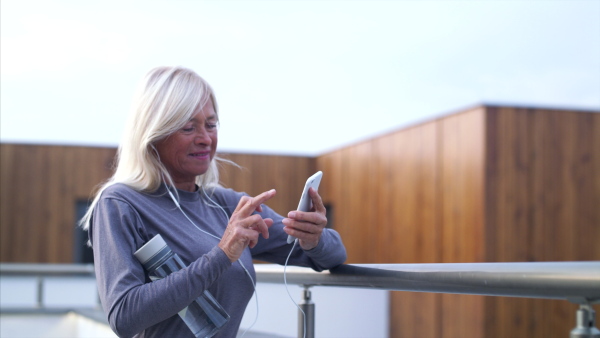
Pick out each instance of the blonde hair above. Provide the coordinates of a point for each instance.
(165, 100)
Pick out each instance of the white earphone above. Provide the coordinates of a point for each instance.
(242, 264)
(219, 238)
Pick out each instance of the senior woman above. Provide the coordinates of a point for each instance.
(166, 182)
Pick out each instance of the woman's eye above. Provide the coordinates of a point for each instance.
(187, 129)
(211, 126)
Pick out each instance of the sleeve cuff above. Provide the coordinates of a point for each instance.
(220, 257)
(317, 250)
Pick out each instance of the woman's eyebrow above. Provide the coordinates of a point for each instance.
(209, 118)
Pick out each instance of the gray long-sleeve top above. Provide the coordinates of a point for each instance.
(124, 220)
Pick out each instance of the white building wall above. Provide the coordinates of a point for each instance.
(340, 312)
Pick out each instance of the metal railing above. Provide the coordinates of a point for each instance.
(45, 270)
(576, 282)
(40, 274)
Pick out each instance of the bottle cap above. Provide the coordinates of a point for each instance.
(150, 249)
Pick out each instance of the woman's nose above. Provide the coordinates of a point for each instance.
(203, 137)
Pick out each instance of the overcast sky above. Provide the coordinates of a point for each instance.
(291, 77)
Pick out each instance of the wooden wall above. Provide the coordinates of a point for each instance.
(42, 183)
(40, 187)
(410, 197)
(461, 208)
(542, 204)
(488, 184)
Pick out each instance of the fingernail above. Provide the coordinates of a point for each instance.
(291, 214)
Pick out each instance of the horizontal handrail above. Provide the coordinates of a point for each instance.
(578, 282)
(33, 296)
(37, 269)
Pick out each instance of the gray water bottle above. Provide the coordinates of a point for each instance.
(204, 316)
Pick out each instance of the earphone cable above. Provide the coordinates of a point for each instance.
(219, 238)
(287, 289)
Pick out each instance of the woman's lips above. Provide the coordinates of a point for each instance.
(201, 155)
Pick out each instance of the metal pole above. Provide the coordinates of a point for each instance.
(40, 292)
(306, 315)
(586, 326)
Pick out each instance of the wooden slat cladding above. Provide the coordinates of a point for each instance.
(41, 184)
(490, 184)
(40, 187)
(384, 196)
(460, 209)
(542, 198)
(543, 193)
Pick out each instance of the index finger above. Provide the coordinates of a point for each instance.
(253, 204)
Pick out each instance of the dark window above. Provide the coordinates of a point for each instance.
(329, 215)
(82, 253)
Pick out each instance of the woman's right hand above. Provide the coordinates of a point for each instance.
(245, 225)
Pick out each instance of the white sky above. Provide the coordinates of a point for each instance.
(291, 77)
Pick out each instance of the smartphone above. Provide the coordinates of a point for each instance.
(305, 200)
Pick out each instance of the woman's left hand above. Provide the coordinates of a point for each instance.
(307, 226)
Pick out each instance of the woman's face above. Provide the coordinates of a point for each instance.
(187, 152)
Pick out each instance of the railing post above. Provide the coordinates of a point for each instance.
(39, 281)
(306, 315)
(586, 325)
